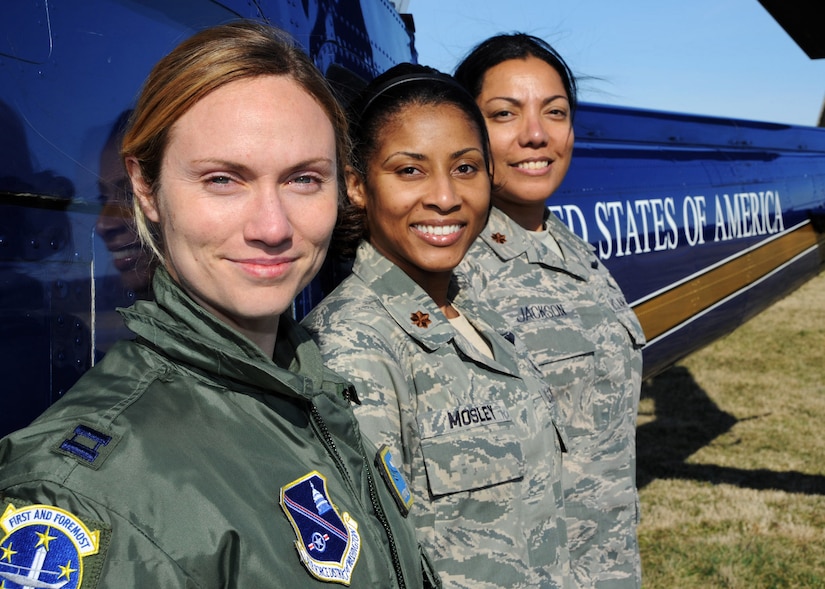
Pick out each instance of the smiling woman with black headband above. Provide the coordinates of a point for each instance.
(448, 392)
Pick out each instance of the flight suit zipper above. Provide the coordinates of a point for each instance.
(376, 505)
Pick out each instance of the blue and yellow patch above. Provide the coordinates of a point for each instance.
(44, 546)
(394, 480)
(328, 542)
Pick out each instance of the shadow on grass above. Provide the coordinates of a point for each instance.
(686, 420)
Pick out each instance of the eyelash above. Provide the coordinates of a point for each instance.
(312, 179)
(219, 179)
(555, 112)
(307, 179)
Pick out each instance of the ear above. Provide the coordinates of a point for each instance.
(356, 191)
(142, 191)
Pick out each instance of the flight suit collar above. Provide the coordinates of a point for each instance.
(179, 328)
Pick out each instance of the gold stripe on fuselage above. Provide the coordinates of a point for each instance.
(678, 304)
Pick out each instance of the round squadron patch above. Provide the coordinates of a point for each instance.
(44, 546)
(328, 542)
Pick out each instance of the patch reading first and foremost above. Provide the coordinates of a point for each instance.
(44, 546)
(328, 542)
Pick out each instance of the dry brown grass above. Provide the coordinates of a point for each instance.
(732, 457)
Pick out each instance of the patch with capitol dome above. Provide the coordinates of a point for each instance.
(328, 541)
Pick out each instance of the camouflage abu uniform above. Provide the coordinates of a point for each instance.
(477, 441)
(587, 341)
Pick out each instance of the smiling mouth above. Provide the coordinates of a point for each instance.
(129, 252)
(266, 269)
(532, 165)
(438, 229)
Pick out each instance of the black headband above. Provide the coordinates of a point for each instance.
(408, 78)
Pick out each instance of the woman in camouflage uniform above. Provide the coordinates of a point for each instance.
(449, 394)
(555, 293)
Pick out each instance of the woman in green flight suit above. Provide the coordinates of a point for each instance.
(215, 449)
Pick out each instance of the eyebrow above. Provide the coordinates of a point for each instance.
(243, 168)
(516, 102)
(464, 151)
(410, 154)
(422, 157)
(325, 161)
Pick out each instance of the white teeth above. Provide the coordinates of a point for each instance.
(533, 165)
(438, 229)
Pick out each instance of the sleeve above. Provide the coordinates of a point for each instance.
(363, 355)
(472, 272)
(66, 538)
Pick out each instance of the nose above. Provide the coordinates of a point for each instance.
(534, 131)
(443, 195)
(267, 219)
(115, 218)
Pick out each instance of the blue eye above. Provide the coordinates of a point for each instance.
(310, 183)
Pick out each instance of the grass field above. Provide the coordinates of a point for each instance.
(731, 445)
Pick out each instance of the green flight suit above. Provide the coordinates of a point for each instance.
(187, 458)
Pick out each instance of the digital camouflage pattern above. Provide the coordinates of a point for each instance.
(574, 320)
(476, 438)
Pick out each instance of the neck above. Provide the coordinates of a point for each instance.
(264, 339)
(437, 286)
(529, 216)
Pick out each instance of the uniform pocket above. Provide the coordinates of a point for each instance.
(470, 447)
(571, 380)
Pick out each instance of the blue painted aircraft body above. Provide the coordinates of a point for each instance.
(703, 221)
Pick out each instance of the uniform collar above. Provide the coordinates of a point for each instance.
(416, 313)
(510, 240)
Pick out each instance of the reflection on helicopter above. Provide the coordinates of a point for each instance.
(115, 224)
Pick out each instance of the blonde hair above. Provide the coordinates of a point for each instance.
(201, 64)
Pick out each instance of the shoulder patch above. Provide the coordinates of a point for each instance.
(45, 546)
(87, 444)
(328, 542)
(394, 479)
